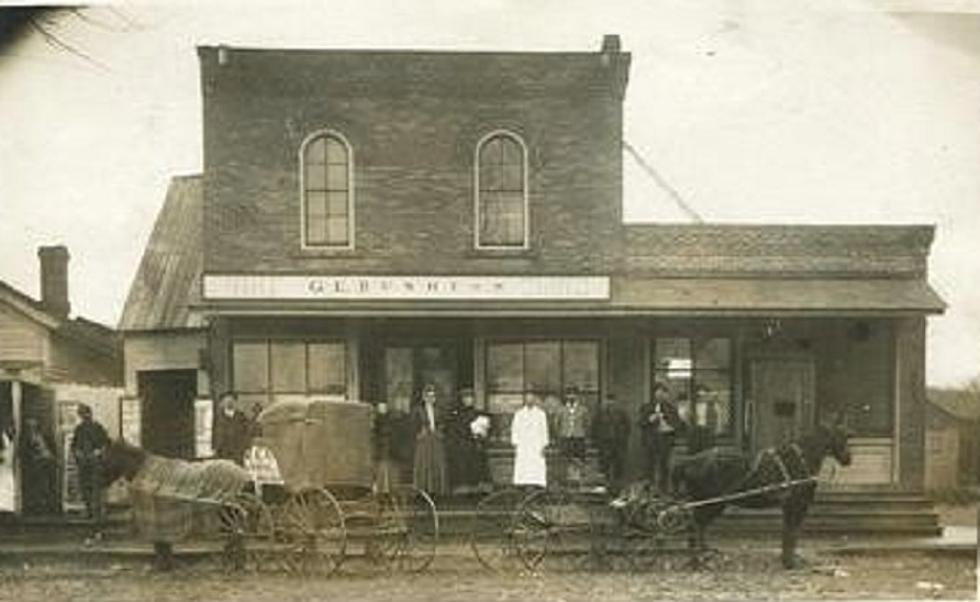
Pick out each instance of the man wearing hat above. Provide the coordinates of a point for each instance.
(660, 423)
(232, 429)
(88, 444)
(573, 424)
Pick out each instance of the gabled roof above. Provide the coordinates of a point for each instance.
(27, 305)
(956, 402)
(87, 332)
(168, 278)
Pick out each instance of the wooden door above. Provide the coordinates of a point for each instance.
(168, 411)
(781, 401)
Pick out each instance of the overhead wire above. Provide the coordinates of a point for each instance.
(662, 183)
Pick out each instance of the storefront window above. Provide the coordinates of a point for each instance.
(859, 379)
(698, 373)
(265, 369)
(251, 370)
(399, 378)
(288, 367)
(543, 369)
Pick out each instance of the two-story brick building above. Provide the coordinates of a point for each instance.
(368, 221)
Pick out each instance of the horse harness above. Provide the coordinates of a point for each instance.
(788, 481)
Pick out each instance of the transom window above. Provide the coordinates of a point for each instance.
(501, 185)
(698, 374)
(327, 191)
(266, 368)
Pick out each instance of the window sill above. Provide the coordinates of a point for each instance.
(327, 253)
(503, 253)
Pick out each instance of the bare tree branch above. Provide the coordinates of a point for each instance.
(42, 25)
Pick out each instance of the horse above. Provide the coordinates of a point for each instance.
(725, 475)
(170, 497)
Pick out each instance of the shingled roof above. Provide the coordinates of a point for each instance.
(168, 279)
(956, 402)
(86, 332)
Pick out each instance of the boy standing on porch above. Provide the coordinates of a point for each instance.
(573, 424)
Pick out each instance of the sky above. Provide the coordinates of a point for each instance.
(813, 111)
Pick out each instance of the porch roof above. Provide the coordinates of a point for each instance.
(638, 297)
(775, 295)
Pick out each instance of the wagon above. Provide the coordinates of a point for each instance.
(540, 528)
(327, 505)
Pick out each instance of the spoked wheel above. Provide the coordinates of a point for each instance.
(232, 526)
(653, 540)
(259, 529)
(645, 550)
(491, 530)
(607, 541)
(312, 525)
(407, 529)
(548, 529)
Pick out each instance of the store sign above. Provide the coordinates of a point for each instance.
(522, 288)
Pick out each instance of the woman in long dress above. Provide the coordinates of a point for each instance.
(430, 457)
(529, 436)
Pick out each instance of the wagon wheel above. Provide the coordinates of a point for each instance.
(607, 540)
(259, 531)
(675, 518)
(407, 529)
(491, 530)
(232, 526)
(653, 538)
(548, 527)
(645, 549)
(312, 524)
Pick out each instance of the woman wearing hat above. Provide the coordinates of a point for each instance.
(466, 434)
(430, 457)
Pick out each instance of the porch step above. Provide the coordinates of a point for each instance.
(834, 513)
(61, 527)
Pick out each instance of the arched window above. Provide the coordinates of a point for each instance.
(501, 192)
(328, 206)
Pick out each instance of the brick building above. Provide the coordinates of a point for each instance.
(369, 221)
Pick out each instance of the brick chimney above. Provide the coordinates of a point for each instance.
(54, 280)
(610, 43)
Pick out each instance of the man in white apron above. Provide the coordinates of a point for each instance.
(529, 436)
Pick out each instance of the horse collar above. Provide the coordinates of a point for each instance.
(795, 447)
(772, 452)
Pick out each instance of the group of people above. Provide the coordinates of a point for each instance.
(442, 447)
(38, 462)
(573, 426)
(447, 446)
(448, 453)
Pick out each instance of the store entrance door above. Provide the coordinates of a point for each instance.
(408, 368)
(168, 411)
(783, 400)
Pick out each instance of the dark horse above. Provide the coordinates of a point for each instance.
(717, 473)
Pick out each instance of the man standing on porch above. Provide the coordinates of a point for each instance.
(529, 436)
(573, 424)
(659, 422)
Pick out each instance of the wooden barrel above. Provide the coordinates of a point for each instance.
(319, 443)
